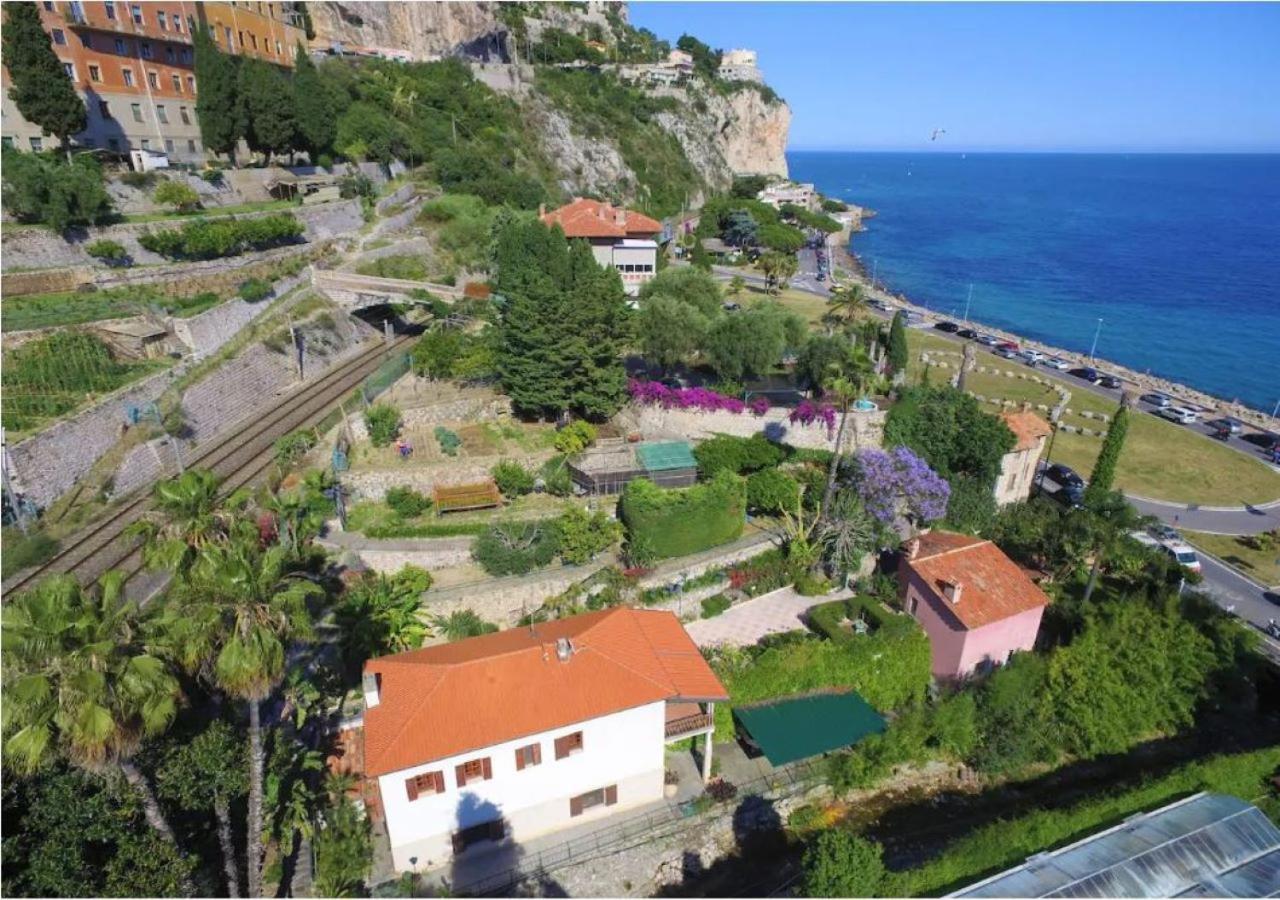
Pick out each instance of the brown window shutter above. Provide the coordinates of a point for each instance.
(559, 744)
(519, 759)
(411, 788)
(461, 772)
(488, 769)
(611, 795)
(537, 753)
(438, 778)
(575, 806)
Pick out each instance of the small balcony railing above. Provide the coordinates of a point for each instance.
(689, 725)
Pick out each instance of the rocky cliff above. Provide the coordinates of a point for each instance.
(425, 30)
(741, 133)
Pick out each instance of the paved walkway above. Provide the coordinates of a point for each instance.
(744, 624)
(1213, 519)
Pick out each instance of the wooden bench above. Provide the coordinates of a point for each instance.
(461, 497)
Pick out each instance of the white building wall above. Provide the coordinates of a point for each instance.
(1017, 474)
(636, 265)
(623, 749)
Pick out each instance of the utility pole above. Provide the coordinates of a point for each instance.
(297, 348)
(967, 302)
(19, 513)
(1097, 332)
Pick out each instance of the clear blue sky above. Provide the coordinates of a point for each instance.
(1004, 76)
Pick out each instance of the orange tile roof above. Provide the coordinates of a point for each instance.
(1027, 427)
(443, 700)
(585, 218)
(992, 586)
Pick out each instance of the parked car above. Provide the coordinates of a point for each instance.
(1158, 400)
(1229, 424)
(1144, 539)
(1009, 345)
(1056, 362)
(1064, 475)
(967, 333)
(948, 327)
(880, 305)
(988, 340)
(1006, 352)
(1110, 381)
(1183, 555)
(1032, 356)
(1085, 373)
(1180, 414)
(1162, 532)
(730, 306)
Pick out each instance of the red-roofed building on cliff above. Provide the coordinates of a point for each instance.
(621, 238)
(511, 735)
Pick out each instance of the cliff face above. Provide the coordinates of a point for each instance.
(426, 30)
(723, 136)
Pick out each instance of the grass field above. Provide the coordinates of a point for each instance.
(1160, 459)
(1264, 565)
(75, 308)
(810, 306)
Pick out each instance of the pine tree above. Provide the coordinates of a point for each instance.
(268, 102)
(317, 122)
(218, 105)
(897, 349)
(41, 88)
(1104, 470)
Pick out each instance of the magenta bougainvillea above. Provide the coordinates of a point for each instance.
(653, 393)
(900, 483)
(808, 412)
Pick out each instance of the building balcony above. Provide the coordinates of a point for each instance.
(687, 719)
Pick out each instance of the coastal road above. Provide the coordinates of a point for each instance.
(1242, 598)
(1211, 519)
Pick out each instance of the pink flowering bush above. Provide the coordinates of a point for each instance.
(759, 404)
(809, 412)
(653, 393)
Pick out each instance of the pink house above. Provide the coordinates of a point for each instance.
(976, 604)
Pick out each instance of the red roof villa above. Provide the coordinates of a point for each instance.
(622, 238)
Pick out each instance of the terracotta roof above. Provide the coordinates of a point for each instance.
(1027, 427)
(992, 586)
(585, 218)
(443, 700)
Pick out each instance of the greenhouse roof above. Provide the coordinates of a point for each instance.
(806, 726)
(1208, 845)
(666, 456)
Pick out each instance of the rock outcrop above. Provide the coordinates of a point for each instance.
(425, 30)
(741, 133)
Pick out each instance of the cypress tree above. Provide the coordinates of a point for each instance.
(266, 96)
(1104, 470)
(897, 349)
(218, 105)
(41, 88)
(317, 122)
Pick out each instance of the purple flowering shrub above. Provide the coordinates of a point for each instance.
(899, 482)
(808, 412)
(654, 393)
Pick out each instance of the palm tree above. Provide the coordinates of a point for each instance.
(849, 534)
(846, 381)
(186, 518)
(846, 306)
(232, 623)
(778, 269)
(80, 682)
(1110, 519)
(462, 623)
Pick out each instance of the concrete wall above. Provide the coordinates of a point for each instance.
(865, 429)
(624, 749)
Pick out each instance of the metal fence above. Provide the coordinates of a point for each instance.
(617, 835)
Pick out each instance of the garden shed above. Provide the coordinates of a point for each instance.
(610, 465)
(801, 727)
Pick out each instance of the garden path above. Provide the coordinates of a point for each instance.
(746, 623)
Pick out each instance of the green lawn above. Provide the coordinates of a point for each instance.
(1264, 565)
(76, 308)
(810, 306)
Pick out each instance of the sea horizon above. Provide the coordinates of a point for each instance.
(1176, 258)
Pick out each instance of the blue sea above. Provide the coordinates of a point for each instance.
(1179, 255)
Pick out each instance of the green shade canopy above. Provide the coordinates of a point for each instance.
(666, 456)
(806, 726)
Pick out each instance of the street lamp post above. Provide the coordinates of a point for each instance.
(1096, 332)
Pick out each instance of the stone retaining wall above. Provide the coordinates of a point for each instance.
(401, 220)
(401, 194)
(866, 429)
(485, 409)
(373, 485)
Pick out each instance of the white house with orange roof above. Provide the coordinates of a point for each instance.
(622, 238)
(1018, 466)
(511, 735)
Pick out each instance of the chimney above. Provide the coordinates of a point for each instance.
(951, 590)
(622, 217)
(371, 683)
(913, 548)
(564, 649)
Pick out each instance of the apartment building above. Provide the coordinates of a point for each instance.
(134, 66)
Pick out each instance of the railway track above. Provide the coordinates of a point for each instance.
(241, 456)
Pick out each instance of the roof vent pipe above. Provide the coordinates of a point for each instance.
(564, 649)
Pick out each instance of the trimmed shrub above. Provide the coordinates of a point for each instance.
(575, 437)
(383, 422)
(515, 547)
(448, 440)
(583, 535)
(254, 290)
(182, 197)
(772, 492)
(809, 585)
(681, 521)
(107, 250)
(216, 238)
(513, 479)
(406, 502)
(738, 455)
(714, 606)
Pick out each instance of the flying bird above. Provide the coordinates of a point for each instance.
(936, 132)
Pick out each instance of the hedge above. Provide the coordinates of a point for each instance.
(681, 521)
(772, 491)
(216, 238)
(1006, 843)
(737, 454)
(825, 618)
(715, 605)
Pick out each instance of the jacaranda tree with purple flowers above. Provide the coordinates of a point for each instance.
(897, 484)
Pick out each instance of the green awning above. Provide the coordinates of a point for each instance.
(666, 456)
(806, 726)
